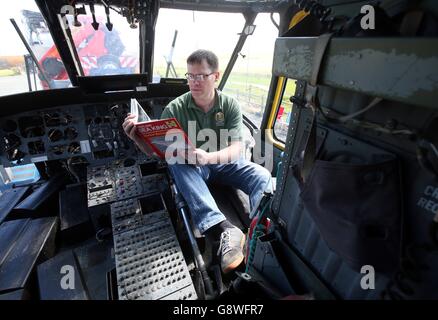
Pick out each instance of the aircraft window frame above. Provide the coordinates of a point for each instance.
(20, 73)
(285, 100)
(255, 93)
(170, 55)
(117, 56)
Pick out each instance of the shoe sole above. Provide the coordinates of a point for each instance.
(239, 260)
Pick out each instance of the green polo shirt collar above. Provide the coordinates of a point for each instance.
(216, 107)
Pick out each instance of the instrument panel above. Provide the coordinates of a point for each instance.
(125, 188)
(93, 132)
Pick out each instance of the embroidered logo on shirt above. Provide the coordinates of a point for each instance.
(220, 118)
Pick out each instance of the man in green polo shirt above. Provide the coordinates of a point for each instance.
(207, 114)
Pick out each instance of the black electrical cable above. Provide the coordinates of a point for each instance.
(273, 21)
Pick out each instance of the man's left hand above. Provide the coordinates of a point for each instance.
(202, 157)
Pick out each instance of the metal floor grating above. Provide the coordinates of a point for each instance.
(149, 261)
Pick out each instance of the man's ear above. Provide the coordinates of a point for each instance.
(217, 76)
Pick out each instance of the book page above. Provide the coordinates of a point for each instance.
(138, 111)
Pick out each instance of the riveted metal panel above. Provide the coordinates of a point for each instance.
(399, 69)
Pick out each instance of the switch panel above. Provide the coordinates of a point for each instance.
(115, 182)
(101, 187)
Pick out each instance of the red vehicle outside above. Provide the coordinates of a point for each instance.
(100, 52)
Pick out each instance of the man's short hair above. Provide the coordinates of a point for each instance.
(199, 55)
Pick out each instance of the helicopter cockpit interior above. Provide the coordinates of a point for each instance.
(346, 122)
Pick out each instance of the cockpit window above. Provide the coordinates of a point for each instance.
(180, 32)
(251, 76)
(18, 70)
(105, 49)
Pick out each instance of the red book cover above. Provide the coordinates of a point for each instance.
(154, 132)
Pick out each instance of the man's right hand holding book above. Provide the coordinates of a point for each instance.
(130, 130)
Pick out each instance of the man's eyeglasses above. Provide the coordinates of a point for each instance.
(197, 77)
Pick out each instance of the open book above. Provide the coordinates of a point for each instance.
(165, 135)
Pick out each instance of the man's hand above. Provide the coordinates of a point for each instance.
(201, 157)
(130, 130)
(129, 126)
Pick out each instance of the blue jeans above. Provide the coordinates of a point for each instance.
(192, 181)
